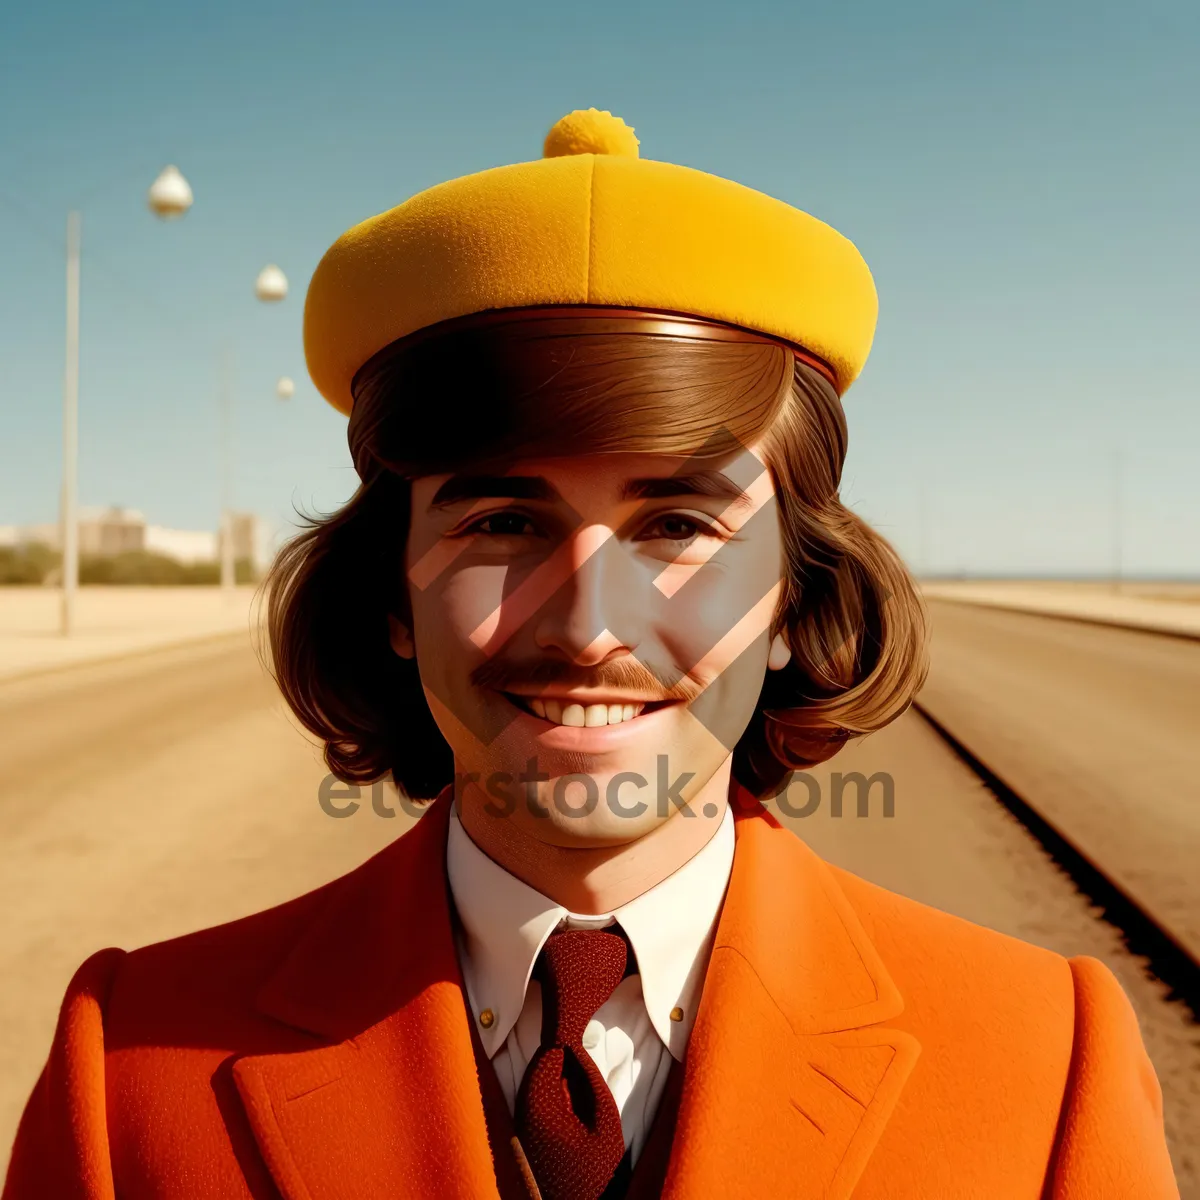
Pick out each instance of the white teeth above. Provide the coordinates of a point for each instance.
(595, 714)
(581, 716)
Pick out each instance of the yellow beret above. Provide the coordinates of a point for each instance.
(588, 223)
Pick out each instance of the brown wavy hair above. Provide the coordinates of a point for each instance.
(487, 395)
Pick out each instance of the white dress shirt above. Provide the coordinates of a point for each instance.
(648, 1018)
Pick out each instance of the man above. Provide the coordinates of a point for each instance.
(597, 595)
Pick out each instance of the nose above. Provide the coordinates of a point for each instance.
(598, 610)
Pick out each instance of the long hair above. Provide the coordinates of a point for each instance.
(489, 395)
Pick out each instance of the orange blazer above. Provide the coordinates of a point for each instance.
(848, 1042)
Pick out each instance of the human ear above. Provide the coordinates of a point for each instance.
(401, 638)
(780, 655)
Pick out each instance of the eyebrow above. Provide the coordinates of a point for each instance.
(700, 483)
(459, 488)
(463, 487)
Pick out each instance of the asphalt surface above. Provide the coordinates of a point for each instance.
(952, 845)
(1098, 728)
(143, 799)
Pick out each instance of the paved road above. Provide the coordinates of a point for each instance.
(138, 801)
(143, 799)
(952, 845)
(1098, 728)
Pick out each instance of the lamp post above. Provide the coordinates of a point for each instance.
(226, 535)
(1118, 565)
(169, 197)
(69, 538)
(270, 286)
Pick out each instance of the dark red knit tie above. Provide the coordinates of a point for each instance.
(567, 1119)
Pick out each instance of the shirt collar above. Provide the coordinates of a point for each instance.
(505, 923)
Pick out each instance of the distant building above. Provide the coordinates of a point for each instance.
(109, 531)
(251, 539)
(49, 534)
(115, 530)
(186, 545)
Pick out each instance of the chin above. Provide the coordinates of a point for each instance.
(588, 829)
(595, 796)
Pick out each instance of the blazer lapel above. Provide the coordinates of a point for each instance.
(789, 1081)
(790, 1078)
(387, 1103)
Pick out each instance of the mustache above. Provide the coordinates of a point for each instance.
(622, 674)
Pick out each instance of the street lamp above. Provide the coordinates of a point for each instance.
(271, 284)
(69, 505)
(170, 196)
(270, 287)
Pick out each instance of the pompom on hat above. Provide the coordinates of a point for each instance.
(591, 223)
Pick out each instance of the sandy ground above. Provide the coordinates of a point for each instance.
(952, 846)
(144, 798)
(112, 622)
(140, 800)
(1170, 607)
(1097, 728)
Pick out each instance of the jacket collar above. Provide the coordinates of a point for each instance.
(505, 923)
(789, 1077)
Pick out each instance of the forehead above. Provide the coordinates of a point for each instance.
(613, 477)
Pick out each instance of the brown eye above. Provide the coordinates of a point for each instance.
(674, 527)
(678, 529)
(504, 524)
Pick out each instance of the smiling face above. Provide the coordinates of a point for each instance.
(600, 578)
(592, 633)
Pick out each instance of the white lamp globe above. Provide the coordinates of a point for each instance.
(170, 194)
(285, 389)
(271, 284)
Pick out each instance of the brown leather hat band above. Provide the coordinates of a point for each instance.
(592, 318)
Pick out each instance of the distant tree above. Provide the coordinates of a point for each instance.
(36, 562)
(146, 567)
(30, 562)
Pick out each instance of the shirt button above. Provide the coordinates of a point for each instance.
(592, 1034)
(677, 1013)
(487, 1018)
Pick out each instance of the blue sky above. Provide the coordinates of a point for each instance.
(1023, 180)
